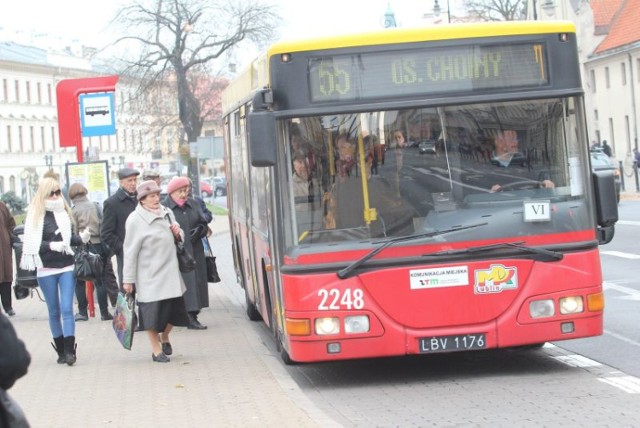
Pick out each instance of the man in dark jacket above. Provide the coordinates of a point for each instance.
(116, 210)
(14, 362)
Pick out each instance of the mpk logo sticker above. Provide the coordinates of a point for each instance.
(495, 279)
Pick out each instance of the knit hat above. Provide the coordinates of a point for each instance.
(146, 188)
(177, 183)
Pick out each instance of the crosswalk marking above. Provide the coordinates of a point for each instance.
(629, 384)
(621, 254)
(628, 223)
(577, 361)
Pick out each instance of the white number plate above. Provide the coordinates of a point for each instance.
(457, 342)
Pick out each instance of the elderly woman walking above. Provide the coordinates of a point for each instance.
(151, 269)
(192, 221)
(48, 237)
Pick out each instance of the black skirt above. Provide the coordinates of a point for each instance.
(156, 315)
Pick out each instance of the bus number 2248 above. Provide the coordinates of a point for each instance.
(333, 299)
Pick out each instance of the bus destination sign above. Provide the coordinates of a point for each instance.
(456, 69)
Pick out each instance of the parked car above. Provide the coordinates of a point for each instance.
(205, 189)
(428, 146)
(601, 162)
(220, 186)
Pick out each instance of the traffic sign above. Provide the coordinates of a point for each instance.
(96, 114)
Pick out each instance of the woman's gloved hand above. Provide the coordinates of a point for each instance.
(197, 232)
(57, 246)
(85, 235)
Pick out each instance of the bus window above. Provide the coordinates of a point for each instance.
(438, 162)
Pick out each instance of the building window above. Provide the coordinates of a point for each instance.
(638, 69)
(28, 87)
(627, 128)
(39, 92)
(5, 90)
(612, 136)
(49, 99)
(9, 142)
(53, 137)
(595, 114)
(17, 88)
(32, 139)
(623, 72)
(606, 77)
(593, 80)
(42, 139)
(20, 140)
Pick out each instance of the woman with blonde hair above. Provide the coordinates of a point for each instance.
(47, 240)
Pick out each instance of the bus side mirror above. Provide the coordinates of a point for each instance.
(262, 138)
(606, 204)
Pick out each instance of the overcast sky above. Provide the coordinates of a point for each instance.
(87, 20)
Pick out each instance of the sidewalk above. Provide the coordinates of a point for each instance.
(222, 376)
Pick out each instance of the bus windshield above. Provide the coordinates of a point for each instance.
(516, 166)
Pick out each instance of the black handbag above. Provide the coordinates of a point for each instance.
(88, 265)
(186, 262)
(212, 269)
(21, 292)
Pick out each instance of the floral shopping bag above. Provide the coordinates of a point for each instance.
(124, 319)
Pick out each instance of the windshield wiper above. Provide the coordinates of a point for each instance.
(553, 255)
(346, 272)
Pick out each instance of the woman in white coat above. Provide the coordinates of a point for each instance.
(151, 269)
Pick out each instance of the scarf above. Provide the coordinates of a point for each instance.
(32, 238)
(179, 202)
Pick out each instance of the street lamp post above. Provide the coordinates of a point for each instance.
(437, 9)
(48, 159)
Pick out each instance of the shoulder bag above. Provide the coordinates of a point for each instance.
(88, 265)
(186, 262)
(212, 269)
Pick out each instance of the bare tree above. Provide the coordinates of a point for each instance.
(497, 10)
(179, 41)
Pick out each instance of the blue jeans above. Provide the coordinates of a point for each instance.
(58, 292)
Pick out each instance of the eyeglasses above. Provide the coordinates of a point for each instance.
(55, 193)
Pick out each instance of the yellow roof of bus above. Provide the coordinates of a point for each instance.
(256, 74)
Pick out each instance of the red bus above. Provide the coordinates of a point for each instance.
(413, 191)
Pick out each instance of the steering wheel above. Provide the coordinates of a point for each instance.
(521, 185)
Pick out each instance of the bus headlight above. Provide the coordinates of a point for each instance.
(327, 325)
(571, 305)
(356, 324)
(542, 308)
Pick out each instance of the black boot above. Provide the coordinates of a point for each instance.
(194, 324)
(58, 345)
(70, 350)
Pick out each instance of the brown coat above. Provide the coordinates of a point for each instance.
(7, 223)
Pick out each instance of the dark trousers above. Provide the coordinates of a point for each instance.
(5, 295)
(83, 303)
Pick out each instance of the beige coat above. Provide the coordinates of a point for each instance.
(150, 260)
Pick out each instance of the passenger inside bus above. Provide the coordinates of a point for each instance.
(345, 200)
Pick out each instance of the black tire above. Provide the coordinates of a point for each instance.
(252, 312)
(219, 192)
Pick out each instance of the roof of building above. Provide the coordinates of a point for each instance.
(623, 26)
(19, 53)
(10, 51)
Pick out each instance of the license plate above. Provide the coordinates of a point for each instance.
(456, 342)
